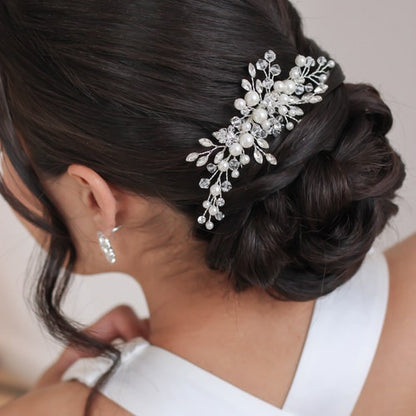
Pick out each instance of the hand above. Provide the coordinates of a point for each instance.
(119, 322)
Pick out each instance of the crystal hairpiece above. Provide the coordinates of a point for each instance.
(261, 116)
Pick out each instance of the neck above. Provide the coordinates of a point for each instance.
(188, 303)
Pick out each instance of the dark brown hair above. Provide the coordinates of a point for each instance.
(127, 87)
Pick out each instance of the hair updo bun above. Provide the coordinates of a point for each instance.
(305, 228)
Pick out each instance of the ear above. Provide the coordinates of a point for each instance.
(97, 196)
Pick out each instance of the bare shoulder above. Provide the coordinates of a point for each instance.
(66, 399)
(391, 383)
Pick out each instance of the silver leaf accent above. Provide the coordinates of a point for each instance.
(259, 86)
(245, 83)
(262, 143)
(206, 142)
(192, 157)
(258, 156)
(271, 159)
(202, 160)
(251, 70)
(218, 157)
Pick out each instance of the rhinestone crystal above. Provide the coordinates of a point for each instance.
(204, 183)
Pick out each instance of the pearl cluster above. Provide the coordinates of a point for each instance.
(267, 108)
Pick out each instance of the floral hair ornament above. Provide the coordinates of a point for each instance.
(267, 108)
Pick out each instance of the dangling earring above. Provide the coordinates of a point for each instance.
(106, 247)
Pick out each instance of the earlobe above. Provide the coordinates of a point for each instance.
(97, 196)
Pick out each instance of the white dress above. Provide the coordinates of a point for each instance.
(340, 346)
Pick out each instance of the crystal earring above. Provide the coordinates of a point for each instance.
(106, 247)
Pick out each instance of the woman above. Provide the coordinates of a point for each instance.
(263, 304)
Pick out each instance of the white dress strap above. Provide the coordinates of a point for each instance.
(339, 348)
(342, 340)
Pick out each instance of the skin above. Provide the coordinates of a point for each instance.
(192, 307)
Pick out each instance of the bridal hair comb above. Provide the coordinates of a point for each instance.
(267, 108)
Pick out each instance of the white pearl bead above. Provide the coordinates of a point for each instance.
(235, 173)
(259, 115)
(246, 140)
(236, 149)
(244, 159)
(300, 60)
(284, 99)
(283, 111)
(209, 225)
(246, 126)
(252, 98)
(223, 166)
(213, 210)
(240, 103)
(266, 125)
(279, 86)
(290, 87)
(206, 204)
(215, 190)
(290, 125)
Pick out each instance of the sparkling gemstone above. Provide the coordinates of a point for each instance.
(255, 129)
(321, 60)
(309, 87)
(261, 64)
(275, 70)
(219, 216)
(268, 83)
(234, 164)
(226, 186)
(310, 61)
(262, 134)
(245, 111)
(201, 219)
(236, 121)
(204, 183)
(220, 202)
(300, 89)
(277, 129)
(270, 56)
(211, 167)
